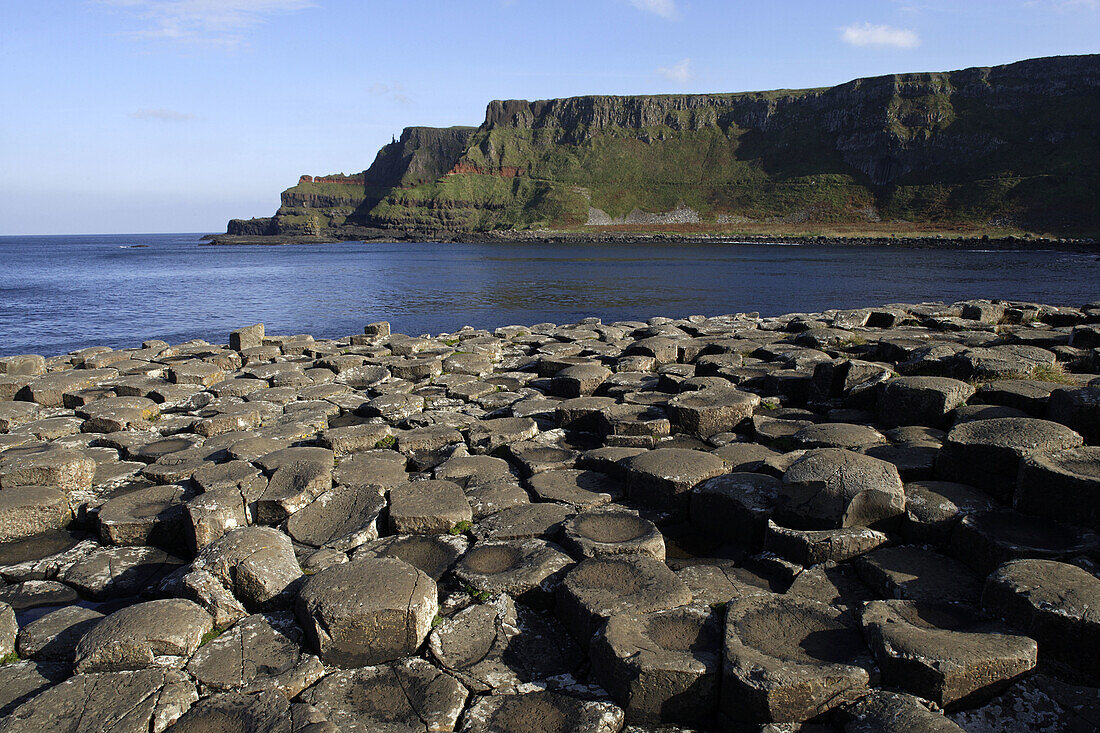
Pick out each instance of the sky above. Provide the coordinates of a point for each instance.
(177, 115)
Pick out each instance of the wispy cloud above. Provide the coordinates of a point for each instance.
(868, 34)
(663, 8)
(392, 92)
(222, 22)
(160, 114)
(680, 72)
(1063, 5)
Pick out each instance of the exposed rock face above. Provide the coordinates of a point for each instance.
(869, 149)
(385, 546)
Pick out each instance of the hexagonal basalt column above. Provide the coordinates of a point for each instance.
(661, 667)
(602, 533)
(367, 611)
(787, 660)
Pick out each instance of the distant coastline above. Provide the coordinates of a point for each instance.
(941, 241)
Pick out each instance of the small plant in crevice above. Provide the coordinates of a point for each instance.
(461, 527)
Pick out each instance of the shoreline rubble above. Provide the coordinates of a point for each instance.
(881, 517)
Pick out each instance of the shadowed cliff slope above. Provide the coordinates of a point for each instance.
(1006, 146)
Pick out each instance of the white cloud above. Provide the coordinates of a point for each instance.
(680, 72)
(868, 34)
(207, 21)
(663, 8)
(162, 115)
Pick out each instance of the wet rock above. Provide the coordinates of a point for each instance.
(830, 488)
(944, 654)
(789, 659)
(600, 587)
(26, 511)
(1061, 485)
(664, 478)
(1055, 603)
(528, 570)
(257, 564)
(342, 518)
(661, 667)
(550, 712)
(260, 652)
(367, 611)
(987, 453)
(427, 507)
(984, 540)
(433, 555)
(133, 638)
(921, 401)
(604, 533)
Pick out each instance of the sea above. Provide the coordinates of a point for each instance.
(61, 293)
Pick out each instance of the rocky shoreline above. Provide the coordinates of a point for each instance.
(631, 237)
(878, 519)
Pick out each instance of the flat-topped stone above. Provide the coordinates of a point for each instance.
(528, 570)
(987, 453)
(367, 611)
(945, 654)
(985, 540)
(663, 478)
(1062, 485)
(1055, 603)
(786, 660)
(662, 666)
(427, 507)
(598, 588)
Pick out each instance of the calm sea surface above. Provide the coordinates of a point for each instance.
(62, 293)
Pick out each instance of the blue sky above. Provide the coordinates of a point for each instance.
(176, 115)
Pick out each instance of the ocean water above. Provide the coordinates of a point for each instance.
(62, 293)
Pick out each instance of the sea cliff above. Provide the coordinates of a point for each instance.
(1002, 150)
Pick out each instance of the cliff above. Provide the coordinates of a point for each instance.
(1008, 146)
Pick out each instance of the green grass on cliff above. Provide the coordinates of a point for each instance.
(958, 154)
